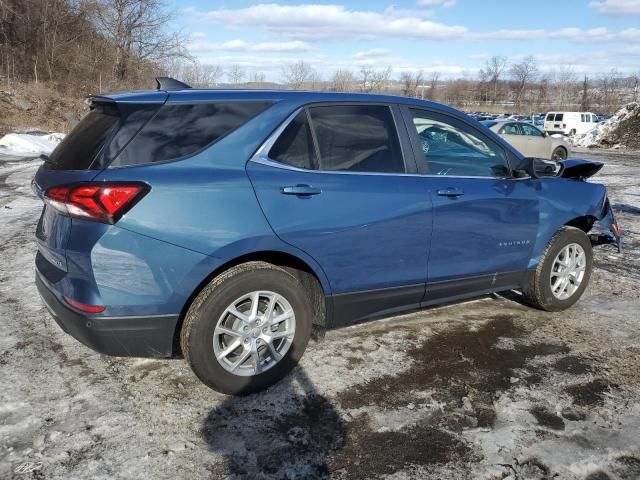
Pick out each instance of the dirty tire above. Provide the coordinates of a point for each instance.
(537, 291)
(559, 153)
(196, 336)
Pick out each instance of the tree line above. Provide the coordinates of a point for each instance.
(84, 46)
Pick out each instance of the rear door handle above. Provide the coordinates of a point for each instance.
(450, 192)
(301, 190)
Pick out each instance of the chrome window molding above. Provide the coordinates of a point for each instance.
(262, 156)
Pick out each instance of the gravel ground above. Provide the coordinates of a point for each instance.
(486, 389)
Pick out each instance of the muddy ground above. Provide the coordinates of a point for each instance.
(484, 389)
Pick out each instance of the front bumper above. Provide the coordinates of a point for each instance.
(149, 336)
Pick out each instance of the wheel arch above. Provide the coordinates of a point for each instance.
(313, 281)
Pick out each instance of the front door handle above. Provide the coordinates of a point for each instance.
(450, 192)
(301, 190)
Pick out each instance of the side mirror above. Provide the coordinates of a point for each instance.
(526, 168)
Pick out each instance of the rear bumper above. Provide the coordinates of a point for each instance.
(148, 336)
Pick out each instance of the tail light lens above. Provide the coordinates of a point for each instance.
(100, 202)
(83, 307)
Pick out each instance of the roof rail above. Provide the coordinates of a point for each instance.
(168, 83)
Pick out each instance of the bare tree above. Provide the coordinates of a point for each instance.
(366, 73)
(380, 78)
(409, 83)
(585, 103)
(565, 85)
(342, 81)
(138, 28)
(492, 71)
(522, 74)
(296, 74)
(236, 74)
(433, 85)
(257, 78)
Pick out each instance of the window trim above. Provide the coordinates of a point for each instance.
(406, 149)
(413, 134)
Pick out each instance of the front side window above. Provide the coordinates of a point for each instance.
(559, 117)
(180, 130)
(451, 147)
(530, 130)
(356, 138)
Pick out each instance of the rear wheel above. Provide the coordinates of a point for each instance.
(563, 273)
(572, 132)
(248, 328)
(559, 154)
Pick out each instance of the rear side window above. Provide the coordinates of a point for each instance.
(357, 138)
(177, 131)
(559, 117)
(295, 145)
(87, 140)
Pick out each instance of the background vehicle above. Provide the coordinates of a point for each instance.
(530, 141)
(569, 123)
(226, 225)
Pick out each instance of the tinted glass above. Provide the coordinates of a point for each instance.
(559, 117)
(510, 129)
(530, 130)
(295, 146)
(181, 130)
(451, 147)
(85, 142)
(358, 138)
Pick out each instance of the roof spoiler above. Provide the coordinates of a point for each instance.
(168, 83)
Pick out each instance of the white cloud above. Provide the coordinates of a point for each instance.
(436, 3)
(317, 22)
(616, 7)
(242, 46)
(373, 53)
(334, 22)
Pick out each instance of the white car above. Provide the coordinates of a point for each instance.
(569, 123)
(531, 141)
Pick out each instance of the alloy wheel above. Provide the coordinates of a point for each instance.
(254, 333)
(568, 271)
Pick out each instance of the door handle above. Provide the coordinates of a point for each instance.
(450, 192)
(301, 190)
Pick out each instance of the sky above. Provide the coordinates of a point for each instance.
(452, 37)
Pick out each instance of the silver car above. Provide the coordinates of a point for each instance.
(530, 140)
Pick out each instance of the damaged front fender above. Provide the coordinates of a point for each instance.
(607, 231)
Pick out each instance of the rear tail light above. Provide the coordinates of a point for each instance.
(83, 307)
(100, 202)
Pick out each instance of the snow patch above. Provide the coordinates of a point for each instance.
(611, 132)
(26, 144)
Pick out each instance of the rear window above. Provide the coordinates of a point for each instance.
(84, 144)
(178, 131)
(357, 138)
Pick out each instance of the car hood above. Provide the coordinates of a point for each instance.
(579, 169)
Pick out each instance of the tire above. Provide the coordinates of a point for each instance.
(538, 290)
(559, 153)
(236, 288)
(572, 132)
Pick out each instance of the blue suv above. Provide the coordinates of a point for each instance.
(227, 226)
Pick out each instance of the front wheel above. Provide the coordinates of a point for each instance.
(248, 328)
(563, 273)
